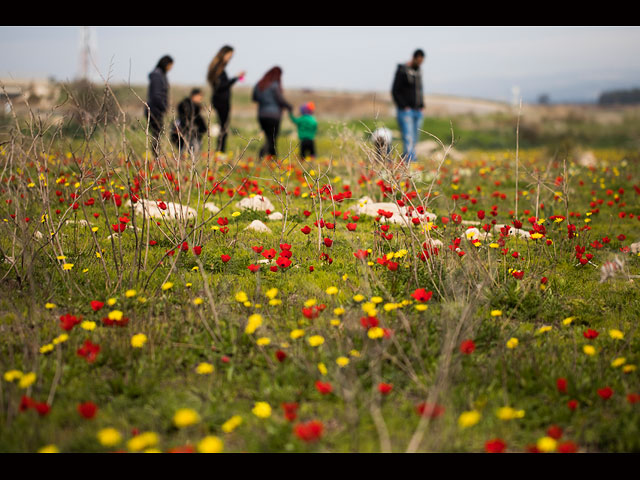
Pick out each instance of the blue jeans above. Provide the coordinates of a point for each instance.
(409, 122)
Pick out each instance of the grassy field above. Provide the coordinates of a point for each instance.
(336, 331)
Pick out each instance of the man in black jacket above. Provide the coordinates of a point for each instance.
(190, 125)
(407, 95)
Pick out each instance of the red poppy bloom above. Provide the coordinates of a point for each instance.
(572, 404)
(428, 410)
(26, 403)
(633, 398)
(68, 321)
(328, 242)
(280, 355)
(495, 446)
(561, 384)
(290, 411)
(605, 393)
(225, 258)
(421, 295)
(591, 334)
(309, 431)
(285, 246)
(567, 447)
(96, 305)
(306, 230)
(283, 262)
(223, 221)
(87, 410)
(467, 347)
(254, 268)
(361, 254)
(351, 226)
(89, 351)
(323, 387)
(554, 431)
(269, 254)
(197, 250)
(257, 249)
(385, 388)
(183, 449)
(42, 408)
(119, 227)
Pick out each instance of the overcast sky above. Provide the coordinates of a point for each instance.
(568, 63)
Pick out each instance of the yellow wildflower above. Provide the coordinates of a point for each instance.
(322, 368)
(253, 323)
(210, 444)
(138, 340)
(241, 297)
(263, 341)
(204, 368)
(12, 375)
(167, 285)
(27, 380)
(109, 437)
(616, 334)
(315, 340)
(49, 449)
(297, 333)
(185, 417)
(512, 343)
(231, 424)
(546, 444)
(589, 350)
(331, 290)
(618, 362)
(342, 361)
(469, 418)
(88, 325)
(261, 410)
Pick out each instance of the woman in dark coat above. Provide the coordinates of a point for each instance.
(268, 94)
(158, 98)
(221, 85)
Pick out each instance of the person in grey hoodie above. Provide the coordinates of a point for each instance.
(158, 99)
(268, 94)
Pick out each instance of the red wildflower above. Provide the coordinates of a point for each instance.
(385, 388)
(561, 384)
(225, 258)
(269, 254)
(119, 227)
(283, 262)
(254, 268)
(328, 242)
(89, 351)
(633, 398)
(96, 305)
(197, 250)
(42, 408)
(421, 295)
(591, 334)
(351, 226)
(567, 447)
(68, 321)
(605, 393)
(306, 230)
(428, 410)
(554, 431)
(87, 410)
(572, 404)
(309, 431)
(290, 411)
(323, 387)
(495, 446)
(361, 254)
(467, 347)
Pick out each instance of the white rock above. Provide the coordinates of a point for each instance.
(366, 206)
(211, 207)
(258, 226)
(258, 203)
(275, 216)
(513, 231)
(174, 211)
(474, 234)
(635, 247)
(81, 222)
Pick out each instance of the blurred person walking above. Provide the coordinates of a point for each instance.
(158, 100)
(407, 95)
(268, 94)
(221, 85)
(189, 126)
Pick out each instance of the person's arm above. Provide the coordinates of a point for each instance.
(396, 88)
(281, 100)
(293, 118)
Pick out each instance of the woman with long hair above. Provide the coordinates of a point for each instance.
(268, 94)
(158, 99)
(221, 85)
